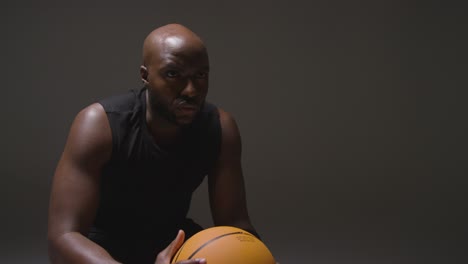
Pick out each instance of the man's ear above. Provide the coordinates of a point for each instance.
(144, 74)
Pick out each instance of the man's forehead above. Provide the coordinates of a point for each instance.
(181, 63)
(177, 51)
(173, 42)
(181, 46)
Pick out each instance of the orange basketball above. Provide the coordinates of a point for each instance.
(225, 245)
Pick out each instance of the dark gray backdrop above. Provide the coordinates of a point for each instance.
(352, 116)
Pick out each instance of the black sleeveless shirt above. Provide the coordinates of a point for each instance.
(145, 190)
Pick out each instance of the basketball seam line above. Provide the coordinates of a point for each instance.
(211, 240)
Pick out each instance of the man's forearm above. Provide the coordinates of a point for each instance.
(73, 247)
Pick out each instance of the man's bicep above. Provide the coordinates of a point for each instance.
(226, 183)
(74, 196)
(73, 199)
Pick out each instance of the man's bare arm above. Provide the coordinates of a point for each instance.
(75, 190)
(226, 182)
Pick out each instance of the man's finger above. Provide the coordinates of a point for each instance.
(166, 255)
(176, 243)
(193, 261)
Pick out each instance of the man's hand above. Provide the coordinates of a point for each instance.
(165, 256)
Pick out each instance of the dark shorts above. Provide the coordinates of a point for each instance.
(139, 246)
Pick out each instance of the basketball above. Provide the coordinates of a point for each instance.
(225, 245)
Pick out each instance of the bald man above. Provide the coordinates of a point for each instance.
(123, 185)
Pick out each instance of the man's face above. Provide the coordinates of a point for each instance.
(177, 81)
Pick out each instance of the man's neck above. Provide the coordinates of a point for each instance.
(163, 132)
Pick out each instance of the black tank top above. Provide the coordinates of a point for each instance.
(146, 190)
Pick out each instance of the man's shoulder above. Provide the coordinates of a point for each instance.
(219, 116)
(209, 107)
(122, 102)
(224, 116)
(208, 114)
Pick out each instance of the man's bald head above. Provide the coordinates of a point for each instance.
(170, 38)
(175, 72)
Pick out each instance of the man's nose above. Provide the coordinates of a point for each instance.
(189, 89)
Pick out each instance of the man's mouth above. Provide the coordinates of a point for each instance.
(183, 104)
(187, 108)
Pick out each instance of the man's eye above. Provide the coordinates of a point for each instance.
(172, 74)
(201, 75)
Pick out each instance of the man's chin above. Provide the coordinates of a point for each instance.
(185, 120)
(185, 117)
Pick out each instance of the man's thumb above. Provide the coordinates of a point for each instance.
(176, 243)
